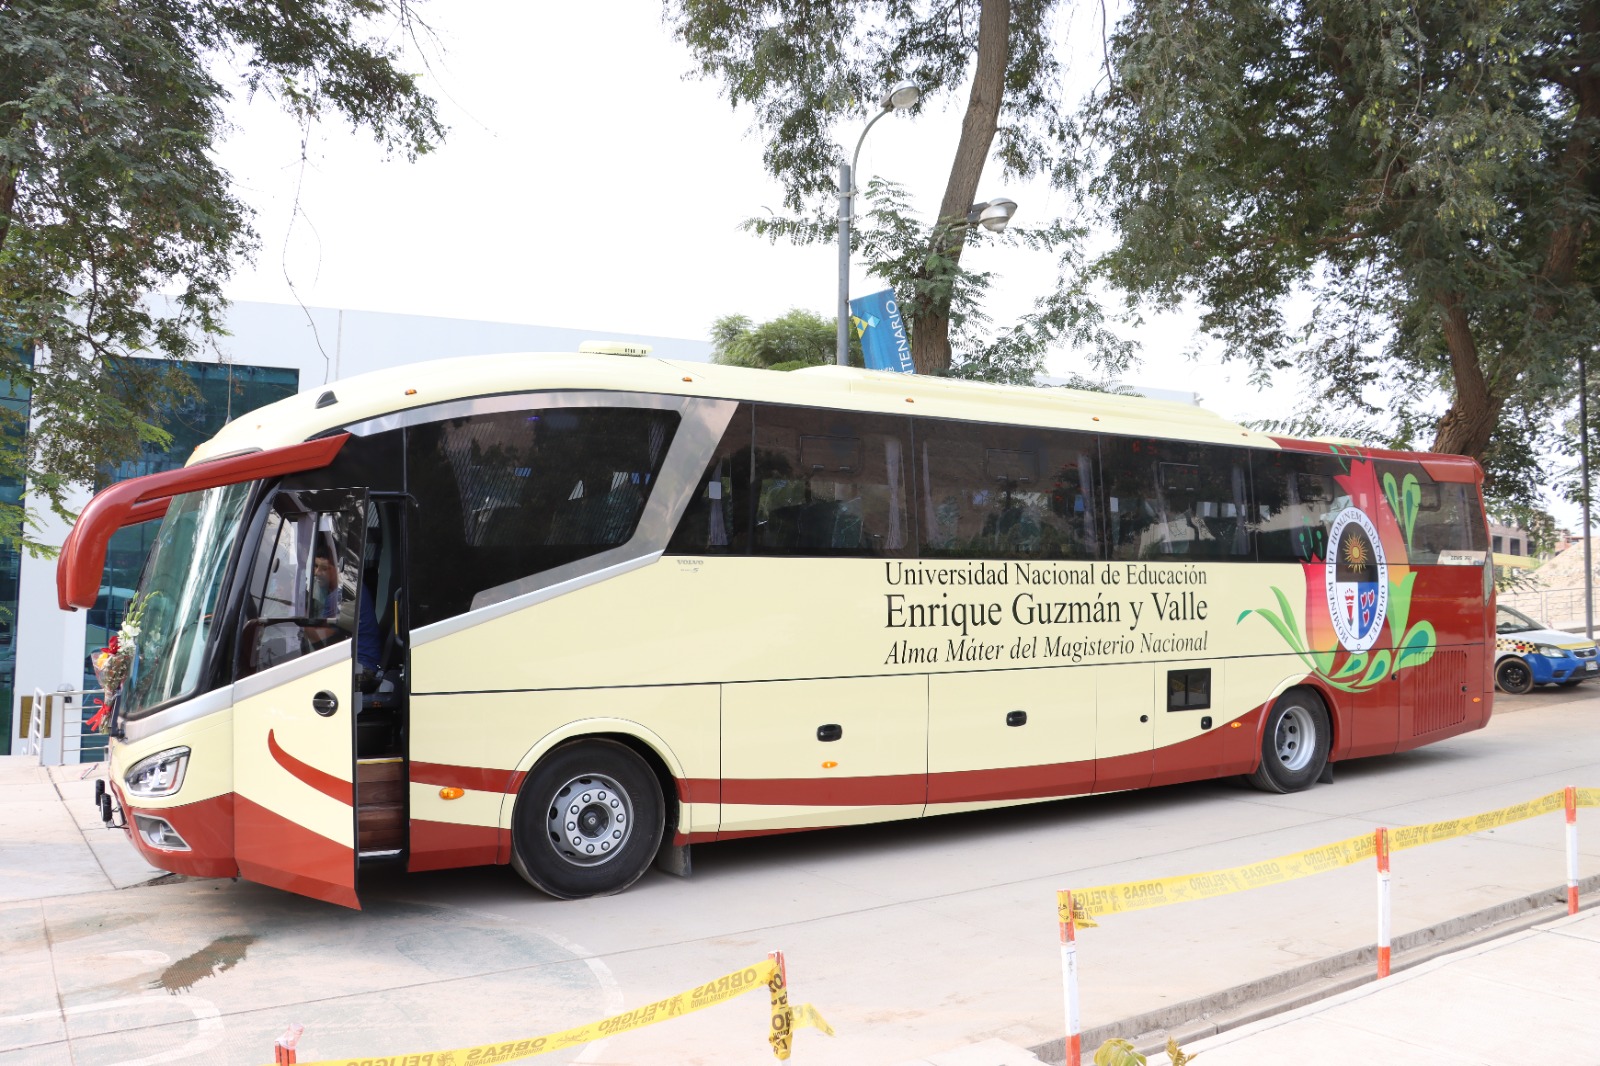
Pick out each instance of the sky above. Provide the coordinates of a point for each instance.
(586, 182)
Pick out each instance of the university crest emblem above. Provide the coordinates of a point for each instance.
(1357, 580)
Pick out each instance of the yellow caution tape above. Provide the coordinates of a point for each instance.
(1413, 836)
(1080, 917)
(1143, 895)
(720, 990)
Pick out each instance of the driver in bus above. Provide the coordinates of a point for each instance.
(328, 602)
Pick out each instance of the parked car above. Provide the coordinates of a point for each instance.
(1528, 653)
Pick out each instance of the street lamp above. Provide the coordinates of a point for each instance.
(899, 98)
(992, 216)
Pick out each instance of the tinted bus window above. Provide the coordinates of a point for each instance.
(998, 492)
(717, 520)
(504, 496)
(830, 482)
(1443, 515)
(1174, 498)
(1296, 501)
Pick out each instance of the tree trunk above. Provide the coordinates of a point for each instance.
(1474, 411)
(930, 337)
(8, 202)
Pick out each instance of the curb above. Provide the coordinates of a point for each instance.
(1254, 1000)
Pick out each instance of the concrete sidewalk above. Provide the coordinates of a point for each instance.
(70, 940)
(1519, 998)
(52, 842)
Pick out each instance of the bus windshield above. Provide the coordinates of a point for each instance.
(178, 592)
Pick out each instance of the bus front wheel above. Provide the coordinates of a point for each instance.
(588, 820)
(1294, 747)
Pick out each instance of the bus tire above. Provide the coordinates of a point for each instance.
(1513, 675)
(1295, 744)
(588, 820)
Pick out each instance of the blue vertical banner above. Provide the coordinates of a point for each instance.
(884, 344)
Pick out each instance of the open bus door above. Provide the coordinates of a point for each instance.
(294, 713)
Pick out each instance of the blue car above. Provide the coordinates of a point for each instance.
(1528, 654)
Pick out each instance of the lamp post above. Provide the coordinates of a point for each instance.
(1583, 462)
(899, 98)
(994, 215)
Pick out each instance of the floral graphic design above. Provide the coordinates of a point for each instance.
(1408, 644)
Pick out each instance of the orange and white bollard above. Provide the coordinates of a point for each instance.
(1381, 841)
(781, 1036)
(1069, 973)
(283, 1047)
(1571, 796)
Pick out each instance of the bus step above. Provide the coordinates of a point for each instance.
(380, 826)
(380, 781)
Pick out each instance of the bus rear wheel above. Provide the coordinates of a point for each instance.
(1294, 747)
(588, 820)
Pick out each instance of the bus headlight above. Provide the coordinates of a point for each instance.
(159, 775)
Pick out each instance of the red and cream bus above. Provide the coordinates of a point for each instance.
(597, 610)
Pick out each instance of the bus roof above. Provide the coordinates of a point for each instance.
(356, 399)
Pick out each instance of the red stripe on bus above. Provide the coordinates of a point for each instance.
(828, 791)
(333, 787)
(476, 778)
(699, 790)
(446, 845)
(1015, 782)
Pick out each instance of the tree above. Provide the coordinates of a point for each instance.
(109, 193)
(792, 340)
(1425, 172)
(805, 66)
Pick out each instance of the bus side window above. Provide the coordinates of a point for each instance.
(717, 520)
(1448, 517)
(830, 482)
(1167, 498)
(1002, 492)
(503, 496)
(1296, 502)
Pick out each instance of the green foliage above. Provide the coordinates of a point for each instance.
(915, 260)
(813, 72)
(804, 67)
(1120, 1052)
(793, 340)
(1423, 171)
(109, 193)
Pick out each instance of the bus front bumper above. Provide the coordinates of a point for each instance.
(194, 839)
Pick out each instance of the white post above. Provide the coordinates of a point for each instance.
(1572, 849)
(1382, 841)
(1069, 974)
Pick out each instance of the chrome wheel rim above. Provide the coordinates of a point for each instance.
(1295, 739)
(590, 819)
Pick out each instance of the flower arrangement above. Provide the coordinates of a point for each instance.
(114, 662)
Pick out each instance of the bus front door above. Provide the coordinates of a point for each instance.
(294, 711)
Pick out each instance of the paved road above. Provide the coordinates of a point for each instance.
(914, 940)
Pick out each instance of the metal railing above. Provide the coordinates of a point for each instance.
(56, 733)
(1557, 608)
